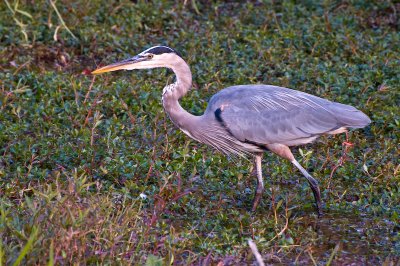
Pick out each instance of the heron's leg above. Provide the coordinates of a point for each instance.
(284, 152)
(260, 182)
(313, 184)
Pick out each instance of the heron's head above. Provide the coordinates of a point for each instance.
(157, 56)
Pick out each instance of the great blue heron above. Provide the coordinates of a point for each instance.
(248, 119)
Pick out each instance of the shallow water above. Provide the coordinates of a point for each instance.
(359, 239)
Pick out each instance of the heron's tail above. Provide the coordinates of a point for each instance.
(350, 116)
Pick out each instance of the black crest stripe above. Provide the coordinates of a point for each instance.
(157, 50)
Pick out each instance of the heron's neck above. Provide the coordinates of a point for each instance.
(173, 92)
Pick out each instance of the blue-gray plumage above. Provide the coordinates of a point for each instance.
(248, 120)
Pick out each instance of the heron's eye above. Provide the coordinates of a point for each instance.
(150, 56)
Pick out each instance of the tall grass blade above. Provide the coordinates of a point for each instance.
(27, 247)
(51, 255)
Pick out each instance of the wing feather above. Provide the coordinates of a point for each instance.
(269, 114)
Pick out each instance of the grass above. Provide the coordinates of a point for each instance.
(93, 172)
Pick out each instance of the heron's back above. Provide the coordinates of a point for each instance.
(265, 114)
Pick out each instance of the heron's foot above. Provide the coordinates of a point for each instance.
(317, 196)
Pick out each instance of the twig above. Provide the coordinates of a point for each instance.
(312, 258)
(276, 21)
(347, 145)
(335, 250)
(94, 104)
(61, 19)
(131, 117)
(89, 90)
(21, 66)
(257, 254)
(273, 204)
(14, 12)
(286, 224)
(96, 121)
(327, 23)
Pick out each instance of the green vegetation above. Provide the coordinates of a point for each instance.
(93, 172)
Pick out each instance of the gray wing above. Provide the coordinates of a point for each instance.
(266, 114)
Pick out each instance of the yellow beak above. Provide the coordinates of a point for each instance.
(125, 64)
(109, 68)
